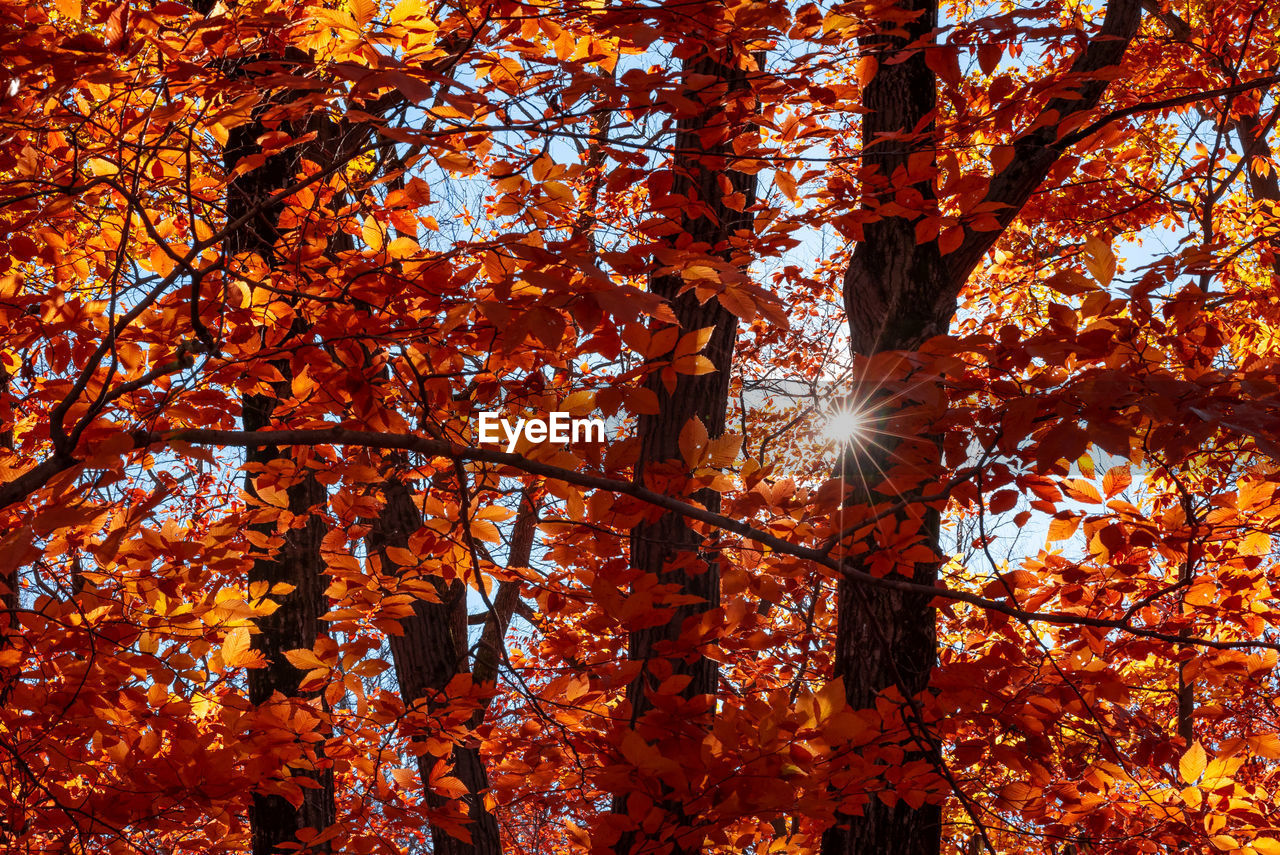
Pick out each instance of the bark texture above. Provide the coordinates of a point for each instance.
(668, 548)
(887, 639)
(9, 579)
(251, 197)
(431, 651)
(296, 624)
(898, 294)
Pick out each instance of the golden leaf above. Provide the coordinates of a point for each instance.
(1192, 764)
(235, 648)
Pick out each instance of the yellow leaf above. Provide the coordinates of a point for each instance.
(486, 531)
(364, 10)
(1081, 491)
(1267, 745)
(372, 234)
(302, 385)
(304, 660)
(1192, 764)
(693, 342)
(1099, 260)
(235, 647)
(694, 364)
(494, 512)
(831, 698)
(693, 442)
(403, 247)
(1266, 845)
(835, 23)
(101, 167)
(700, 273)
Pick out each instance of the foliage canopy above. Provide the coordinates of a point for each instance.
(265, 262)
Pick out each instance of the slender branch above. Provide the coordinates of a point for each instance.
(455, 452)
(1165, 104)
(34, 479)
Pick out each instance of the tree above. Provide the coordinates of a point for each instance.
(707, 203)
(900, 290)
(267, 587)
(292, 565)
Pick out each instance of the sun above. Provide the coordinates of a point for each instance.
(846, 425)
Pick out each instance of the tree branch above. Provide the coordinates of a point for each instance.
(1035, 152)
(452, 451)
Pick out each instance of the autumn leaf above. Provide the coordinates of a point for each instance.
(1191, 765)
(1100, 260)
(304, 659)
(371, 232)
(406, 779)
(235, 648)
(693, 442)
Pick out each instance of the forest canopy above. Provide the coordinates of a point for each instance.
(936, 351)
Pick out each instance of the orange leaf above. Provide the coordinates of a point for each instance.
(1116, 480)
(693, 442)
(1099, 260)
(235, 648)
(1081, 491)
(1192, 764)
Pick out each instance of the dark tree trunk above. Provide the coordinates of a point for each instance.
(668, 548)
(9, 580)
(296, 623)
(887, 639)
(898, 294)
(431, 651)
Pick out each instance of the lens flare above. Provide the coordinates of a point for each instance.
(846, 426)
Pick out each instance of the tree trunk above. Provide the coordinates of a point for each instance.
(296, 624)
(898, 294)
(431, 651)
(887, 639)
(9, 579)
(668, 548)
